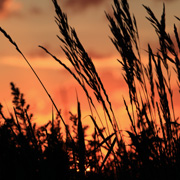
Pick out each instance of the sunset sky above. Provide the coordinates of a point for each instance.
(31, 23)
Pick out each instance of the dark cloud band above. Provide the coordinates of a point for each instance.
(82, 4)
(2, 4)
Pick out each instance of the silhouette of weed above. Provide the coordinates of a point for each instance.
(28, 151)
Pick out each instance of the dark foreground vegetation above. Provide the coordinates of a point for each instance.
(29, 152)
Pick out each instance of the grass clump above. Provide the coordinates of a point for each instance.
(153, 152)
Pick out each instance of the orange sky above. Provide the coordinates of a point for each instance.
(31, 23)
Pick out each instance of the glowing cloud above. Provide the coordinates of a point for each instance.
(8, 7)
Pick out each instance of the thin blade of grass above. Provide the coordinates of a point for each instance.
(104, 141)
(109, 152)
(13, 43)
(81, 143)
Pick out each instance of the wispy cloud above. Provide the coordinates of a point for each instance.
(36, 10)
(169, 1)
(99, 55)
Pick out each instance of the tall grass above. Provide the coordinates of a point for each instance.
(153, 153)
